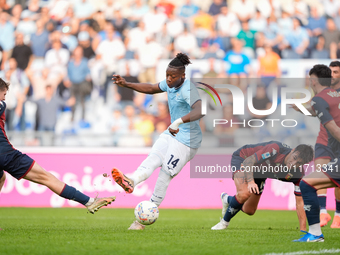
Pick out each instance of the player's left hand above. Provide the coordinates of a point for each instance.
(173, 131)
(253, 188)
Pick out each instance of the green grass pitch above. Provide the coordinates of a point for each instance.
(74, 231)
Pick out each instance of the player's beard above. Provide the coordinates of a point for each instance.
(335, 81)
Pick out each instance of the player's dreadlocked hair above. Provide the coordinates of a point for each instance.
(323, 73)
(180, 61)
(3, 85)
(306, 152)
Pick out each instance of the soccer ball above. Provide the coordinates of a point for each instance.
(146, 212)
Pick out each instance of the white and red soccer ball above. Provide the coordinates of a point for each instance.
(146, 212)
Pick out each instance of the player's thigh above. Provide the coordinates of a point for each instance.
(250, 206)
(319, 180)
(177, 156)
(160, 147)
(319, 162)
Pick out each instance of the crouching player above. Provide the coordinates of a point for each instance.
(22, 166)
(249, 178)
(325, 105)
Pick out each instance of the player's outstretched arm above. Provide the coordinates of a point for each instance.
(194, 114)
(333, 129)
(145, 88)
(301, 213)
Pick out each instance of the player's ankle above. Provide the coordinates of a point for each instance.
(90, 202)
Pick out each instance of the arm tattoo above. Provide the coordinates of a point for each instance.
(248, 168)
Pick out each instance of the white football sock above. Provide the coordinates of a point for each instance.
(143, 172)
(225, 199)
(323, 211)
(161, 186)
(90, 202)
(336, 214)
(315, 229)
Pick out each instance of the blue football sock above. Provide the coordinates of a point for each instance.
(337, 206)
(73, 194)
(229, 199)
(233, 208)
(310, 199)
(322, 201)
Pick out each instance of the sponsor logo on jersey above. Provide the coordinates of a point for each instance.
(266, 155)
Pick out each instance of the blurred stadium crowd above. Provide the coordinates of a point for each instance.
(59, 56)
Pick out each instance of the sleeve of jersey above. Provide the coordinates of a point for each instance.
(297, 191)
(2, 107)
(191, 94)
(163, 86)
(321, 108)
(268, 151)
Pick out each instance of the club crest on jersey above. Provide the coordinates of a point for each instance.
(266, 155)
(288, 176)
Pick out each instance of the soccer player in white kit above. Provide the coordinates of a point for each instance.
(179, 143)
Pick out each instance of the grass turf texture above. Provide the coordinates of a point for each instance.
(73, 231)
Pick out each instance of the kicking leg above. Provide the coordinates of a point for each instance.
(144, 171)
(38, 175)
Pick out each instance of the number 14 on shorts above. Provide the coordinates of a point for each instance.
(172, 161)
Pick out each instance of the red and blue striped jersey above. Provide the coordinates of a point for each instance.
(270, 157)
(326, 106)
(5, 145)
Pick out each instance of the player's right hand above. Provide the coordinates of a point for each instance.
(253, 188)
(293, 106)
(120, 81)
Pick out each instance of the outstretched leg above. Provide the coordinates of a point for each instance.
(144, 171)
(38, 175)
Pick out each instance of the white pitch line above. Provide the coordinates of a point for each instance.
(324, 251)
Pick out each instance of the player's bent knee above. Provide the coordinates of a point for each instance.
(249, 212)
(242, 197)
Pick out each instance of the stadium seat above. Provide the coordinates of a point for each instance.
(317, 54)
(290, 54)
